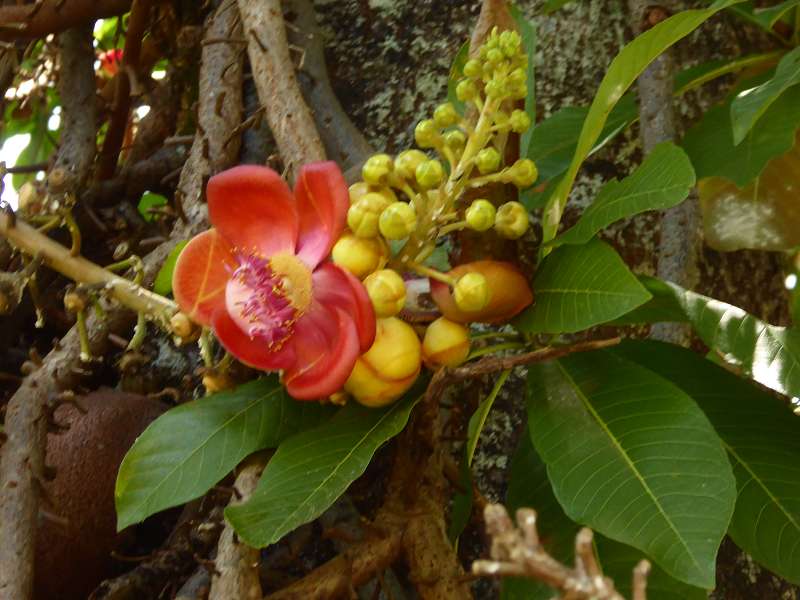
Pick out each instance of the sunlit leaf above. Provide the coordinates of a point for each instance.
(632, 60)
(163, 282)
(632, 456)
(190, 448)
(762, 438)
(578, 287)
(149, 201)
(310, 470)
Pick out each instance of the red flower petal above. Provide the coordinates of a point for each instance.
(201, 274)
(326, 345)
(322, 203)
(251, 351)
(253, 208)
(333, 286)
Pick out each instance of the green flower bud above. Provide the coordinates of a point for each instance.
(522, 173)
(362, 216)
(472, 68)
(455, 140)
(445, 115)
(377, 169)
(397, 221)
(471, 292)
(430, 173)
(517, 76)
(407, 162)
(519, 121)
(487, 160)
(517, 92)
(387, 291)
(427, 133)
(494, 57)
(511, 220)
(360, 188)
(466, 90)
(495, 89)
(480, 215)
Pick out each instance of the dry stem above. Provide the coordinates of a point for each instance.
(517, 552)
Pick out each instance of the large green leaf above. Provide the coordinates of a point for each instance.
(661, 181)
(632, 456)
(190, 448)
(578, 287)
(710, 143)
(750, 104)
(632, 60)
(762, 438)
(765, 17)
(310, 470)
(768, 353)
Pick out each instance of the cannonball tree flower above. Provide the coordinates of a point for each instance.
(261, 280)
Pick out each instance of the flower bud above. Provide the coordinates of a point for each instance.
(509, 293)
(427, 134)
(446, 343)
(387, 291)
(517, 77)
(487, 160)
(519, 121)
(407, 162)
(377, 169)
(495, 89)
(397, 221)
(389, 368)
(516, 92)
(494, 56)
(445, 115)
(74, 302)
(471, 292)
(522, 173)
(430, 173)
(480, 215)
(511, 221)
(362, 217)
(472, 68)
(360, 256)
(182, 326)
(466, 90)
(217, 382)
(455, 140)
(361, 188)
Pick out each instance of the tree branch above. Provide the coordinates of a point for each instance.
(40, 18)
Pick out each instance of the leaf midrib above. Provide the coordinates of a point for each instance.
(579, 392)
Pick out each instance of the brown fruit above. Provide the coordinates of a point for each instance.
(74, 556)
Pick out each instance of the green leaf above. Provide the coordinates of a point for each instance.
(762, 438)
(578, 287)
(618, 561)
(150, 200)
(750, 104)
(310, 470)
(190, 448)
(661, 181)
(632, 456)
(632, 60)
(163, 283)
(456, 73)
(710, 143)
(765, 17)
(527, 31)
(661, 308)
(768, 353)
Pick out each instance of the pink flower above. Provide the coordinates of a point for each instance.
(260, 277)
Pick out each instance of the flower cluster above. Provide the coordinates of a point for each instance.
(262, 281)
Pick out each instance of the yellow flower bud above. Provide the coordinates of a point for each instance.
(445, 115)
(377, 169)
(427, 134)
(361, 188)
(522, 173)
(362, 217)
(430, 173)
(471, 292)
(496, 89)
(487, 160)
(480, 215)
(387, 290)
(472, 68)
(446, 343)
(455, 140)
(361, 256)
(494, 56)
(519, 121)
(397, 221)
(75, 302)
(181, 325)
(511, 220)
(407, 162)
(386, 371)
(466, 90)
(217, 382)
